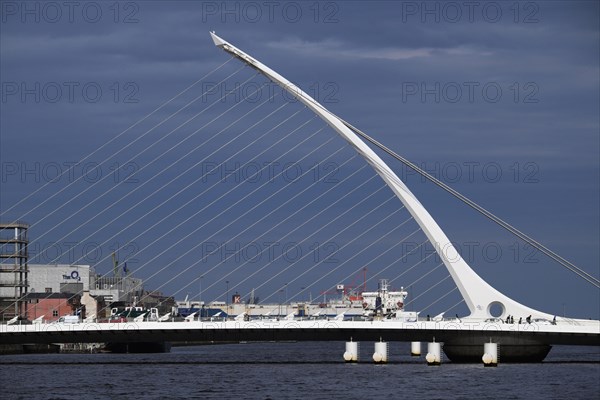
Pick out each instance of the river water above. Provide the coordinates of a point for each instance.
(302, 370)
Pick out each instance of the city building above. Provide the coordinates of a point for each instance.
(57, 278)
(51, 306)
(42, 288)
(94, 307)
(116, 288)
(155, 299)
(71, 278)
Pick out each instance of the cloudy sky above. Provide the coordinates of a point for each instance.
(498, 99)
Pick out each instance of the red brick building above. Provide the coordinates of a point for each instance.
(50, 305)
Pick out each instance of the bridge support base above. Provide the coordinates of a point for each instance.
(490, 354)
(351, 354)
(415, 349)
(434, 353)
(380, 356)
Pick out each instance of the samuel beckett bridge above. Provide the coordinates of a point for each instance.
(495, 323)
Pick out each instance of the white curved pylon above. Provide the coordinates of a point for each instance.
(477, 293)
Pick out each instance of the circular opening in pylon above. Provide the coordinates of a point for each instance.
(496, 309)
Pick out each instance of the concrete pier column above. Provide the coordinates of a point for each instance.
(380, 356)
(490, 354)
(351, 354)
(434, 353)
(415, 349)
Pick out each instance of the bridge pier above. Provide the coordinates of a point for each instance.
(490, 354)
(351, 354)
(434, 353)
(415, 349)
(380, 356)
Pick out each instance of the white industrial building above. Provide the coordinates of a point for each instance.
(56, 278)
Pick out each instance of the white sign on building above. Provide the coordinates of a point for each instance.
(56, 278)
(51, 278)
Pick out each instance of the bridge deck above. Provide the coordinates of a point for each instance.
(584, 333)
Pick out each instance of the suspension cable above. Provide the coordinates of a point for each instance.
(110, 141)
(562, 261)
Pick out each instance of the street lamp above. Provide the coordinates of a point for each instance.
(227, 293)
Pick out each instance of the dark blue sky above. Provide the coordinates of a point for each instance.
(499, 100)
